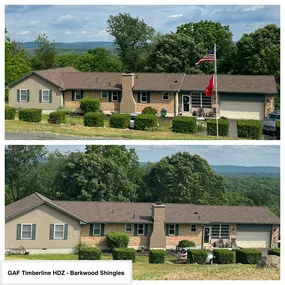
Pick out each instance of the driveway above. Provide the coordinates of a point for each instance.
(46, 136)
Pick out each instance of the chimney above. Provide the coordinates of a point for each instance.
(128, 103)
(158, 238)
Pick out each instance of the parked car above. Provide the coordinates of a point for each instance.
(269, 124)
(182, 255)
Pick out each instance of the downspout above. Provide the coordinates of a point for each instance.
(176, 101)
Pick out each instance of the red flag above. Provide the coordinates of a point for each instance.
(210, 87)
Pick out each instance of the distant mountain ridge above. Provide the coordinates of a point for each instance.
(245, 169)
(75, 45)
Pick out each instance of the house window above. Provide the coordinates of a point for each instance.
(193, 228)
(45, 96)
(200, 100)
(220, 232)
(140, 229)
(58, 231)
(128, 228)
(144, 97)
(104, 94)
(171, 230)
(96, 229)
(165, 96)
(77, 95)
(26, 231)
(115, 96)
(23, 95)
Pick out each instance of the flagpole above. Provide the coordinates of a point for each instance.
(216, 87)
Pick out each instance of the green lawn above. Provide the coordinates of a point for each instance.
(142, 270)
(74, 127)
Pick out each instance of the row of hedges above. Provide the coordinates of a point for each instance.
(30, 115)
(274, 251)
(94, 119)
(223, 124)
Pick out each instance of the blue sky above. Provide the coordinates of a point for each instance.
(73, 23)
(240, 155)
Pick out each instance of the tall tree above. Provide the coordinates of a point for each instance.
(92, 177)
(175, 53)
(45, 54)
(131, 36)
(259, 53)
(19, 160)
(17, 63)
(207, 33)
(185, 178)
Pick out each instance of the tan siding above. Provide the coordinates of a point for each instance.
(184, 233)
(43, 216)
(35, 84)
(100, 241)
(157, 103)
(106, 106)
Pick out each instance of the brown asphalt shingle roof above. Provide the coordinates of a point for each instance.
(129, 212)
(233, 83)
(70, 78)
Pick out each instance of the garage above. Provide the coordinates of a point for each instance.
(242, 110)
(254, 236)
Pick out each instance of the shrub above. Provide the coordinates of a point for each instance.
(156, 256)
(89, 253)
(186, 125)
(65, 109)
(186, 243)
(93, 119)
(223, 124)
(6, 96)
(117, 240)
(149, 111)
(278, 130)
(82, 245)
(10, 113)
(90, 105)
(124, 254)
(144, 121)
(197, 256)
(248, 256)
(30, 115)
(274, 251)
(120, 121)
(249, 129)
(224, 256)
(57, 117)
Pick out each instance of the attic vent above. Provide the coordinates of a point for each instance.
(97, 79)
(196, 213)
(175, 81)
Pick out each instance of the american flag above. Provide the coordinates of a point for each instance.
(208, 57)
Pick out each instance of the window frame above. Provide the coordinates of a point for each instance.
(106, 93)
(117, 94)
(31, 232)
(48, 95)
(54, 231)
(126, 226)
(143, 229)
(141, 96)
(26, 100)
(191, 231)
(99, 234)
(201, 102)
(220, 231)
(170, 234)
(163, 94)
(75, 99)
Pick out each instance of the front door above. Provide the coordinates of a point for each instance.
(186, 106)
(207, 235)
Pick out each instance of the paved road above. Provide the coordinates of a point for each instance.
(45, 136)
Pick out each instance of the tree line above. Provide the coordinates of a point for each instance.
(114, 173)
(140, 48)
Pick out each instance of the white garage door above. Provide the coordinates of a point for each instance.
(242, 110)
(255, 239)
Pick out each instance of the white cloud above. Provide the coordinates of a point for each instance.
(68, 33)
(23, 33)
(65, 18)
(35, 22)
(252, 8)
(175, 16)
